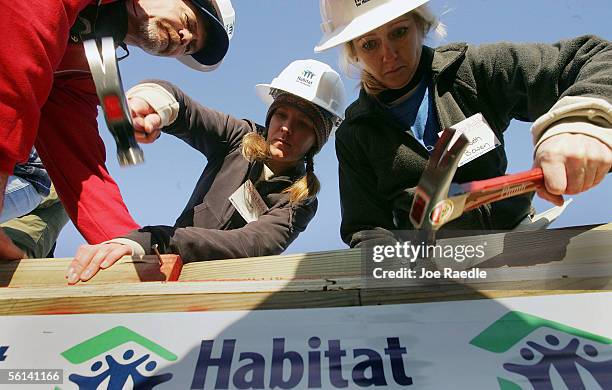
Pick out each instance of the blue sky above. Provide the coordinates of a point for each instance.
(272, 33)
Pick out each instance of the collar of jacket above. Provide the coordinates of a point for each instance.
(287, 178)
(439, 60)
(101, 20)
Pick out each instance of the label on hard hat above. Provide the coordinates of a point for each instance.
(247, 201)
(481, 137)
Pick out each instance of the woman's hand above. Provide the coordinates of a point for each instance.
(572, 163)
(90, 258)
(147, 122)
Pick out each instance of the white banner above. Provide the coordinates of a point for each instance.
(560, 342)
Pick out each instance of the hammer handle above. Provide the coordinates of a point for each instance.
(491, 190)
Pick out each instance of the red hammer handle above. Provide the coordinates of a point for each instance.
(491, 190)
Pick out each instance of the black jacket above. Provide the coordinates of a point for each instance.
(380, 163)
(210, 227)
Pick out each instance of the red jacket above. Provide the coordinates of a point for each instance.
(47, 98)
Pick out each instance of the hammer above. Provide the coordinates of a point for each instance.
(437, 201)
(109, 88)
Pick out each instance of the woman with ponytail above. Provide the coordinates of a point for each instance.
(258, 190)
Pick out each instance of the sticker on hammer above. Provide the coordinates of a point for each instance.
(442, 212)
(479, 134)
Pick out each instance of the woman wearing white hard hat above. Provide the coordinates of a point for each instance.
(258, 190)
(410, 92)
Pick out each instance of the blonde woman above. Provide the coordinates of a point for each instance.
(411, 92)
(258, 190)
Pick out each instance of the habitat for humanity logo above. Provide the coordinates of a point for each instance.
(306, 77)
(122, 364)
(548, 354)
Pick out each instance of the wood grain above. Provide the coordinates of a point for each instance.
(555, 262)
(51, 272)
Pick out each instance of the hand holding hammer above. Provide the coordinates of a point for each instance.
(437, 201)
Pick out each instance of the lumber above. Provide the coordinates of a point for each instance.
(562, 261)
(51, 272)
(314, 265)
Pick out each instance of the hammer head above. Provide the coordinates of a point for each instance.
(430, 206)
(105, 73)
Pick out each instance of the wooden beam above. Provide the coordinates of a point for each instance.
(51, 272)
(553, 262)
(254, 295)
(314, 265)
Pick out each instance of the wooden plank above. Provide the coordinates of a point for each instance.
(51, 272)
(171, 296)
(580, 262)
(314, 265)
(256, 295)
(583, 244)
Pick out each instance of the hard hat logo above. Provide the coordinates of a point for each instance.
(306, 78)
(230, 29)
(361, 2)
(308, 74)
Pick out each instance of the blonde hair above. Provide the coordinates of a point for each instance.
(348, 56)
(256, 148)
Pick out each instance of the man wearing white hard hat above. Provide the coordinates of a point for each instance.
(411, 92)
(49, 97)
(258, 190)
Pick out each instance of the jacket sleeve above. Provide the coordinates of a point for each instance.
(523, 81)
(271, 234)
(34, 38)
(367, 217)
(211, 132)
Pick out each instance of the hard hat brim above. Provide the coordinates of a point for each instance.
(367, 22)
(263, 91)
(217, 40)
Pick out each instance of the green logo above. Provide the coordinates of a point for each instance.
(117, 370)
(582, 350)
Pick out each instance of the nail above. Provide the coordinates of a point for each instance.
(104, 264)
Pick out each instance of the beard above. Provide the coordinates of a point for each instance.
(159, 37)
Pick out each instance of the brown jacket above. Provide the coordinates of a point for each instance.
(209, 227)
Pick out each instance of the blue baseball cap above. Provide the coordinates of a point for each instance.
(218, 32)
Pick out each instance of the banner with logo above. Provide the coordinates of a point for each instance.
(548, 342)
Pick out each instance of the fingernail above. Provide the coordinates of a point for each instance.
(87, 274)
(73, 278)
(104, 264)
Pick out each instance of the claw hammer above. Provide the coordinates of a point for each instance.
(437, 201)
(105, 73)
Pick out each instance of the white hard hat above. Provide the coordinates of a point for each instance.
(221, 17)
(345, 20)
(310, 80)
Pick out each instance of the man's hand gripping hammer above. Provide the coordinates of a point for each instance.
(105, 73)
(437, 201)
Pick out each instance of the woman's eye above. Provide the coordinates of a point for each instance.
(399, 32)
(305, 126)
(369, 45)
